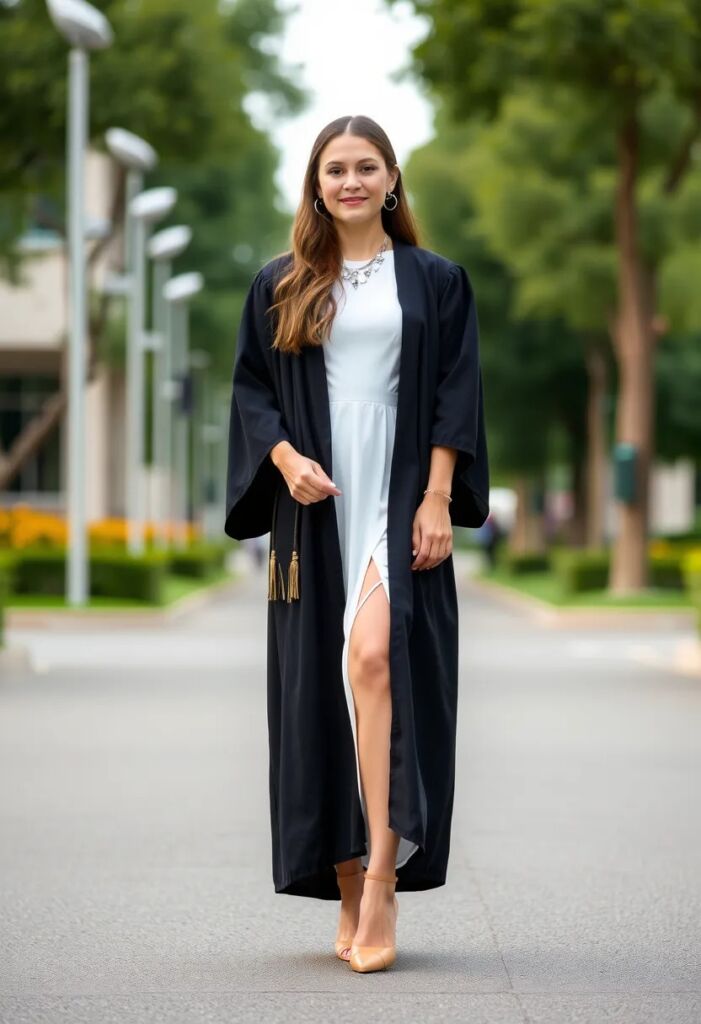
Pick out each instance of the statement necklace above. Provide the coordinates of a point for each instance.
(359, 275)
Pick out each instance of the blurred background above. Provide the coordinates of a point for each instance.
(151, 159)
(552, 149)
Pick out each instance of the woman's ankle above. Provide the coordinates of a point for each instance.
(349, 867)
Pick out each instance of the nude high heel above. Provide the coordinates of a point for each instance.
(364, 959)
(344, 945)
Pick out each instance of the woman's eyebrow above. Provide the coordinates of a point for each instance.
(364, 160)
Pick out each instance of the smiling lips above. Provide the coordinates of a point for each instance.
(355, 201)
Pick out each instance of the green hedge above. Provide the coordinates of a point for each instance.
(667, 571)
(692, 578)
(689, 538)
(200, 560)
(578, 571)
(518, 563)
(582, 570)
(5, 587)
(113, 573)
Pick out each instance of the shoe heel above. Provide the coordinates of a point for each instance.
(365, 959)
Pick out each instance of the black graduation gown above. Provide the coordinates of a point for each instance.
(315, 811)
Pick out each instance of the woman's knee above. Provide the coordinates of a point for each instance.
(369, 658)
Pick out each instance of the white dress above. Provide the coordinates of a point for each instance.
(362, 371)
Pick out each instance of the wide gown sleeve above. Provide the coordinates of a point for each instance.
(458, 414)
(256, 423)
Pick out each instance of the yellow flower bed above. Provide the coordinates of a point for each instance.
(692, 562)
(22, 526)
(664, 549)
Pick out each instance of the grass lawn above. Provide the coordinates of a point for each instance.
(546, 586)
(175, 588)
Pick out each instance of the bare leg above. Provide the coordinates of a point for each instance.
(368, 669)
(350, 882)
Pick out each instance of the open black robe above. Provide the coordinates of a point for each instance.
(315, 812)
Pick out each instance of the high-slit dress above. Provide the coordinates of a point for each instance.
(361, 357)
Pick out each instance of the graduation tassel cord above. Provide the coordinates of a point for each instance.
(273, 566)
(276, 578)
(293, 574)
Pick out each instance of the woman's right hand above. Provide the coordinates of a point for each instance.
(306, 480)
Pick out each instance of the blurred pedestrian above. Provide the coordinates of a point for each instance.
(489, 535)
(257, 548)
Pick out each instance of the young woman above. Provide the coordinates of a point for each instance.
(357, 439)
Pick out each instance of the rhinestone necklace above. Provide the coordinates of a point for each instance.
(359, 275)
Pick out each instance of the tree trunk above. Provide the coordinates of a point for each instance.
(597, 461)
(577, 529)
(528, 533)
(634, 347)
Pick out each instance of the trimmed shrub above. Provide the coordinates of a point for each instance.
(580, 570)
(666, 571)
(113, 573)
(5, 586)
(520, 562)
(692, 577)
(690, 538)
(199, 560)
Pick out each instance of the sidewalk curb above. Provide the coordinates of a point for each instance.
(36, 618)
(585, 618)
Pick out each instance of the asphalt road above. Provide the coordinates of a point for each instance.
(135, 881)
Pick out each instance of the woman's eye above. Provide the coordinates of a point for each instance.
(369, 167)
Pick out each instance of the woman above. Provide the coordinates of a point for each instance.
(357, 379)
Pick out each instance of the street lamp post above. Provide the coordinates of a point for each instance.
(85, 28)
(178, 292)
(211, 436)
(199, 361)
(138, 157)
(146, 208)
(163, 248)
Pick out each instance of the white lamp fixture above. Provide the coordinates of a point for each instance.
(153, 204)
(130, 150)
(81, 24)
(183, 287)
(169, 243)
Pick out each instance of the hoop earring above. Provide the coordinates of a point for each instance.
(318, 200)
(391, 195)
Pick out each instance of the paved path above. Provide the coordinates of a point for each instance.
(135, 877)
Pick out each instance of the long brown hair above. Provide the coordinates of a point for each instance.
(303, 296)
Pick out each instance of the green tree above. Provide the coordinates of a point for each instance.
(614, 57)
(533, 382)
(177, 74)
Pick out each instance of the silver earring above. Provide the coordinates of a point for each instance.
(317, 200)
(391, 195)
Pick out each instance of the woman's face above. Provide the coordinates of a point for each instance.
(350, 166)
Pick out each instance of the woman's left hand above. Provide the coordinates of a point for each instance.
(432, 532)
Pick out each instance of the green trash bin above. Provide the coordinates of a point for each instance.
(625, 472)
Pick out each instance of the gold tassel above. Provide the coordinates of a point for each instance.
(273, 569)
(293, 572)
(271, 577)
(293, 579)
(276, 577)
(273, 566)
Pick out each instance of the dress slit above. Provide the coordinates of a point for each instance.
(405, 848)
(362, 359)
